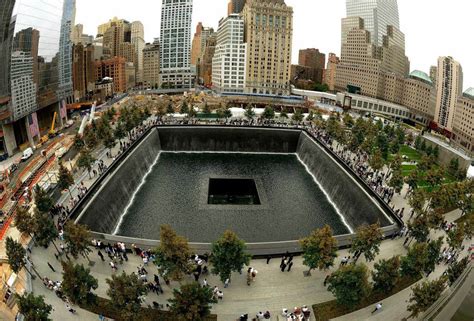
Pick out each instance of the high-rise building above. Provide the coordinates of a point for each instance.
(205, 68)
(101, 29)
(138, 41)
(228, 63)
(377, 16)
(463, 125)
(83, 71)
(65, 50)
(368, 69)
(448, 89)
(33, 53)
(235, 6)
(330, 72)
(433, 74)
(196, 44)
(151, 65)
(312, 61)
(419, 95)
(114, 68)
(175, 46)
(268, 35)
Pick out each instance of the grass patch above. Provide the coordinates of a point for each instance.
(330, 309)
(107, 309)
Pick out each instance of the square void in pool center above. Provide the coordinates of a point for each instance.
(232, 191)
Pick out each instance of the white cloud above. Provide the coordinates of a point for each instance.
(433, 28)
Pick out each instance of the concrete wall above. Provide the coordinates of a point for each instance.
(446, 154)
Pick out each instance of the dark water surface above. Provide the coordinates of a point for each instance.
(176, 193)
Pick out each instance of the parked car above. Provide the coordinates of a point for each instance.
(27, 153)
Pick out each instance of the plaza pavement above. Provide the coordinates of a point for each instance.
(272, 290)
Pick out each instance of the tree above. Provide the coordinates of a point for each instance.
(206, 109)
(65, 179)
(90, 137)
(433, 253)
(86, 160)
(367, 241)
(109, 140)
(192, 302)
(298, 116)
(386, 274)
(419, 228)
(424, 295)
(44, 203)
(120, 132)
(249, 113)
(16, 255)
(172, 256)
(268, 113)
(184, 108)
(453, 166)
(78, 142)
(228, 255)
(396, 181)
(125, 292)
(319, 249)
(78, 283)
(455, 269)
(24, 221)
(170, 109)
(78, 239)
(283, 114)
(434, 177)
(415, 261)
(456, 237)
(46, 231)
(349, 284)
(376, 160)
(412, 180)
(33, 307)
(417, 200)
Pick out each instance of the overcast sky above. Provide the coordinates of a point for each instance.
(432, 28)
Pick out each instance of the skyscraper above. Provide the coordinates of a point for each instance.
(236, 6)
(448, 88)
(151, 64)
(268, 34)
(175, 46)
(138, 41)
(65, 50)
(463, 125)
(377, 15)
(228, 63)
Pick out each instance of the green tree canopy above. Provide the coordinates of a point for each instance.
(249, 112)
(414, 262)
(456, 268)
(78, 283)
(319, 249)
(376, 161)
(367, 241)
(78, 239)
(85, 160)
(268, 113)
(298, 116)
(46, 231)
(228, 255)
(16, 254)
(172, 256)
(44, 203)
(184, 108)
(424, 295)
(125, 292)
(65, 179)
(419, 228)
(24, 221)
(33, 307)
(120, 132)
(349, 284)
(192, 302)
(386, 274)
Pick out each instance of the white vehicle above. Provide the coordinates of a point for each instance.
(27, 153)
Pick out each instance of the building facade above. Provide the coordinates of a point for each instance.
(205, 68)
(228, 63)
(268, 35)
(175, 46)
(463, 125)
(419, 94)
(151, 65)
(377, 16)
(33, 56)
(114, 68)
(65, 50)
(330, 71)
(83, 71)
(138, 41)
(236, 6)
(448, 89)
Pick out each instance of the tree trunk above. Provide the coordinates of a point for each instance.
(57, 250)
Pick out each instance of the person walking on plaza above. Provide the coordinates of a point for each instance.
(289, 266)
(378, 306)
(99, 253)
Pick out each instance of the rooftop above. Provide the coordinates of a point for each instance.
(421, 75)
(469, 92)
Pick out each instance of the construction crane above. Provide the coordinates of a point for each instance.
(52, 132)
